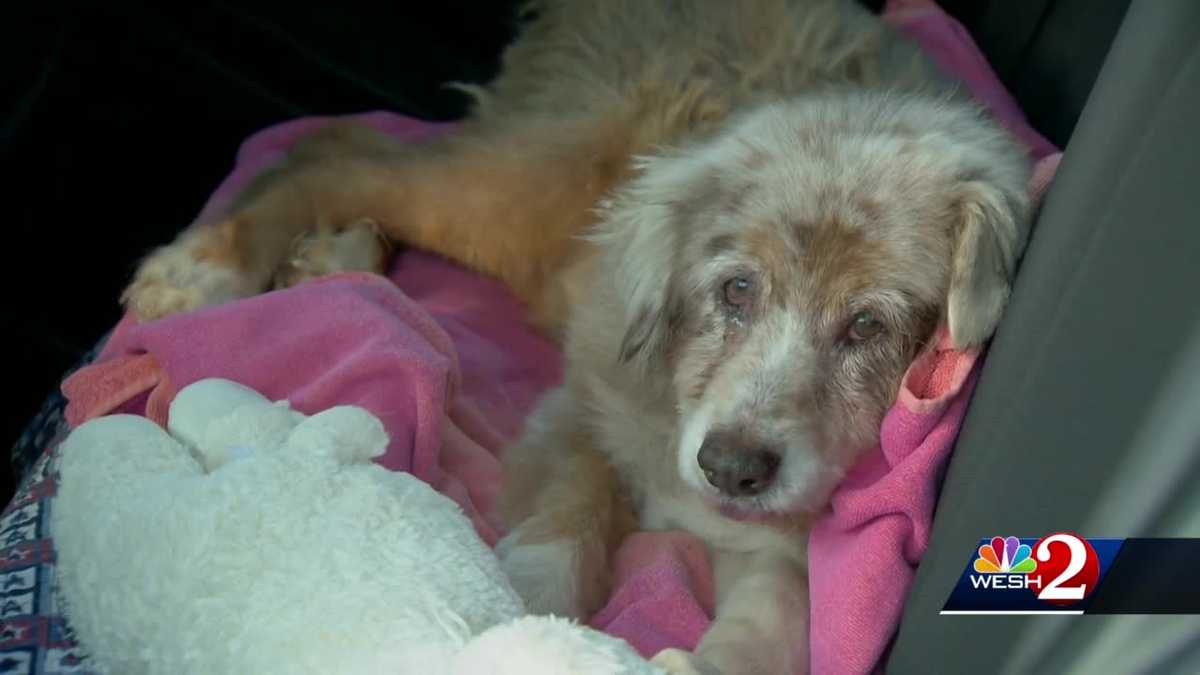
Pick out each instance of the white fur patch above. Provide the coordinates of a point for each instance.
(695, 428)
(780, 354)
(546, 576)
(804, 483)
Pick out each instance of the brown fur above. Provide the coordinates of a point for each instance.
(633, 157)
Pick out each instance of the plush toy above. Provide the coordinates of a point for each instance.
(254, 539)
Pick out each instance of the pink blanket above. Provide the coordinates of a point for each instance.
(442, 357)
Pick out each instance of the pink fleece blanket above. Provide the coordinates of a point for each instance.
(443, 358)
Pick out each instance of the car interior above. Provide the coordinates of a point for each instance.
(1085, 414)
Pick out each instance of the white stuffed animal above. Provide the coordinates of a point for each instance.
(253, 539)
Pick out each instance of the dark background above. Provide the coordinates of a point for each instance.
(118, 119)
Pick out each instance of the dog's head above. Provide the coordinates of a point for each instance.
(785, 274)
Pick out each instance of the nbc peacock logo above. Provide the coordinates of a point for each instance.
(1005, 556)
(1005, 563)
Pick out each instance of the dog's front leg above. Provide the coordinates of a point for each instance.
(761, 626)
(568, 510)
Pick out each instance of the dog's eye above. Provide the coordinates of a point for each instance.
(739, 291)
(864, 326)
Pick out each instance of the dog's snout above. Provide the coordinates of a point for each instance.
(736, 466)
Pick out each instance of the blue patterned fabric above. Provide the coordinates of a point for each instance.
(34, 636)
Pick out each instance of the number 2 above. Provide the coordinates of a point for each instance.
(1055, 590)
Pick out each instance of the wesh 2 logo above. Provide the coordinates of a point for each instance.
(1007, 575)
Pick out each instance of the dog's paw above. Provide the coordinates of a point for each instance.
(545, 575)
(357, 247)
(680, 662)
(185, 275)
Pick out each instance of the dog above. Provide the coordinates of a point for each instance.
(742, 220)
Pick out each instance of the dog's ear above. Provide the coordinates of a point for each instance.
(640, 236)
(643, 251)
(989, 237)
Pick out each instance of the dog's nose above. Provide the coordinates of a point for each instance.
(736, 468)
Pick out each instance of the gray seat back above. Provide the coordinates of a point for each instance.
(1084, 411)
